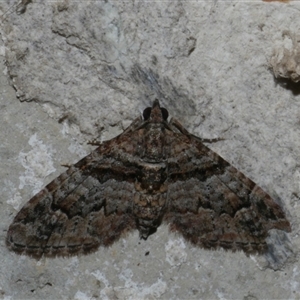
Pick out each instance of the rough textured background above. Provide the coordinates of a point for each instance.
(84, 70)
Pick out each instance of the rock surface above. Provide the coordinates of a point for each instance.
(84, 70)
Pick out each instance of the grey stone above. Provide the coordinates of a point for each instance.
(90, 65)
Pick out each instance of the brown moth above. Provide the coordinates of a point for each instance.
(154, 172)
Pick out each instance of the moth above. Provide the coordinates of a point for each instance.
(154, 172)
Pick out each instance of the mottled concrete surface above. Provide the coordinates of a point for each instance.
(85, 70)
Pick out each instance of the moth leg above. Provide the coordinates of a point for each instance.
(134, 125)
(94, 143)
(66, 165)
(210, 141)
(175, 124)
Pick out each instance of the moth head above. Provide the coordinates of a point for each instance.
(155, 113)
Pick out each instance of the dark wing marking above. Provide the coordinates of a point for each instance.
(214, 205)
(87, 206)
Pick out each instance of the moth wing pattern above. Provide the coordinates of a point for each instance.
(87, 206)
(212, 204)
(153, 172)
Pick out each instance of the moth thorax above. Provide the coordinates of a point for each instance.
(154, 143)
